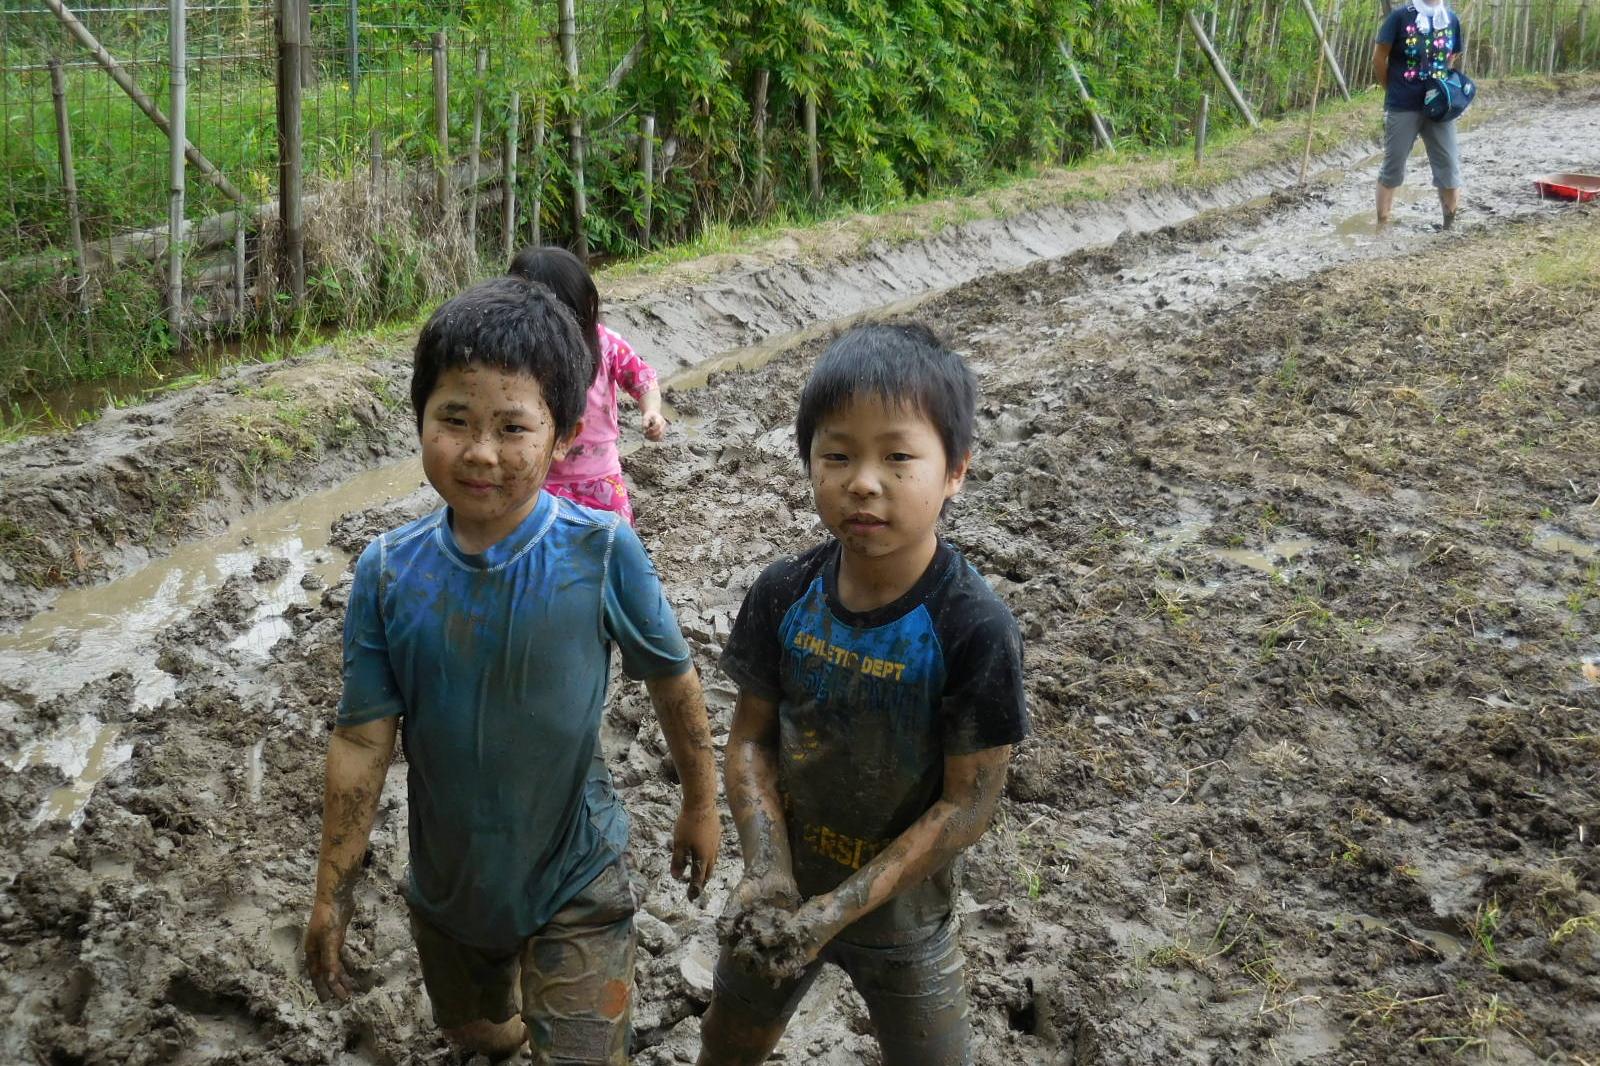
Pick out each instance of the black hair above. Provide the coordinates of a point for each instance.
(903, 364)
(566, 276)
(509, 324)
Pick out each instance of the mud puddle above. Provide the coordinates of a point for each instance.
(93, 633)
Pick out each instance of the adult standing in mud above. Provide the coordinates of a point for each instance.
(484, 631)
(1417, 42)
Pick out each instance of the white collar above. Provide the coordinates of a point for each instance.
(1434, 17)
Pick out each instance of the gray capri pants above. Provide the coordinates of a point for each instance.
(1400, 130)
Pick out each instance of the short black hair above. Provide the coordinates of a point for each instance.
(566, 276)
(509, 324)
(901, 363)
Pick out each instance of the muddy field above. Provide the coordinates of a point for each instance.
(1302, 526)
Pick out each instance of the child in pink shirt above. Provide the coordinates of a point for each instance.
(591, 472)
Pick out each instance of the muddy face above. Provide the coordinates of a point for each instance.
(488, 440)
(879, 477)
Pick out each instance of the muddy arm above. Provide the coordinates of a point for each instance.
(972, 785)
(1380, 65)
(681, 708)
(358, 758)
(752, 777)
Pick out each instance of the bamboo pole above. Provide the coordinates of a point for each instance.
(144, 103)
(1101, 134)
(580, 203)
(1200, 129)
(1550, 51)
(69, 175)
(238, 264)
(813, 168)
(647, 152)
(508, 184)
(763, 77)
(441, 119)
(352, 29)
(1326, 53)
(1177, 61)
(178, 79)
(1583, 35)
(290, 176)
(1221, 71)
(536, 199)
(475, 149)
(1311, 118)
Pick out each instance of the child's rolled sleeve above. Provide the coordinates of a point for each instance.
(635, 375)
(370, 689)
(637, 615)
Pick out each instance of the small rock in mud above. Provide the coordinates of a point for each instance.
(312, 581)
(269, 568)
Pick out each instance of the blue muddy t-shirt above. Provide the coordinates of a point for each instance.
(1415, 56)
(869, 705)
(497, 663)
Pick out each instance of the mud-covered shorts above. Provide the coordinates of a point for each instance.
(575, 976)
(916, 994)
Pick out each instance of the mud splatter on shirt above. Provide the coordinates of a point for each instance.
(497, 663)
(869, 705)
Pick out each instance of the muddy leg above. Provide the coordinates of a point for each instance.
(497, 1040)
(1450, 200)
(731, 1036)
(748, 1013)
(1385, 203)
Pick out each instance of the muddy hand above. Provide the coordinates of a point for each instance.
(324, 947)
(695, 840)
(655, 426)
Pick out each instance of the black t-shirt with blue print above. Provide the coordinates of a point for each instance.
(1415, 56)
(869, 705)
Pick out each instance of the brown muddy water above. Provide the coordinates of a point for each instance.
(1310, 642)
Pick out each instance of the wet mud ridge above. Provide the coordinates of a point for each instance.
(1307, 558)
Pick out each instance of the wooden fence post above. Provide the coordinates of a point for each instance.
(647, 164)
(580, 203)
(1100, 132)
(475, 151)
(536, 199)
(1327, 52)
(178, 50)
(290, 177)
(812, 166)
(508, 181)
(69, 176)
(441, 119)
(1200, 129)
(1222, 71)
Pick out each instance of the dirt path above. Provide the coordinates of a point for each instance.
(1308, 564)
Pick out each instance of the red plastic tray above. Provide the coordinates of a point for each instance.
(1578, 187)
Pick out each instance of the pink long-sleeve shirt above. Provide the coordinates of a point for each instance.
(594, 453)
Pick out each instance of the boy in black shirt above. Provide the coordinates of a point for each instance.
(880, 692)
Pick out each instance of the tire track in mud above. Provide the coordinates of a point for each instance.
(1314, 773)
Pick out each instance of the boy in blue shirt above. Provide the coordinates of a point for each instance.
(880, 692)
(481, 634)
